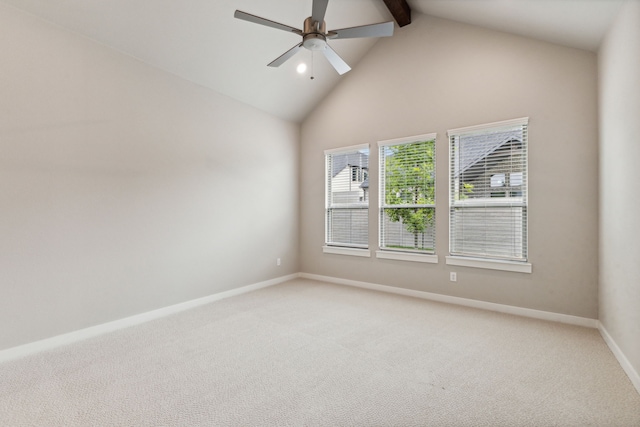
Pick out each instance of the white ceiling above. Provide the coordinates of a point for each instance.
(200, 40)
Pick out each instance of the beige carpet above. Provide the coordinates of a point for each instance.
(311, 353)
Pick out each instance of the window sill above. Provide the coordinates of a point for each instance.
(336, 250)
(518, 267)
(406, 256)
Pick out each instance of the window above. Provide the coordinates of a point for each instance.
(347, 198)
(358, 174)
(407, 194)
(488, 194)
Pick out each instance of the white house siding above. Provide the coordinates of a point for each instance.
(344, 190)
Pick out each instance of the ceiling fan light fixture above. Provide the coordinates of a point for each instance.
(315, 42)
(302, 68)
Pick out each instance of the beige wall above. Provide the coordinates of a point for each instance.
(619, 66)
(125, 189)
(435, 75)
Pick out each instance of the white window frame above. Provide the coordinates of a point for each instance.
(488, 262)
(401, 254)
(338, 248)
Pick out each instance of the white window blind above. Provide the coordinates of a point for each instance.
(347, 197)
(488, 193)
(407, 194)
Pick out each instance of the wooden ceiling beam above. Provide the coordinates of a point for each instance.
(400, 10)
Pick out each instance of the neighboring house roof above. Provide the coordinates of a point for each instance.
(353, 159)
(478, 147)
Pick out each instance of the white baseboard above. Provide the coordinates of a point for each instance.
(508, 309)
(622, 359)
(93, 331)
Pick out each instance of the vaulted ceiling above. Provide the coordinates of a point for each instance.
(200, 41)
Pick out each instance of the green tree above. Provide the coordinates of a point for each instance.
(409, 180)
(466, 190)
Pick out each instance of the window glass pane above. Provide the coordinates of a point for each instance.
(407, 212)
(347, 187)
(488, 206)
(485, 160)
(497, 180)
(349, 226)
(515, 179)
(489, 231)
(408, 229)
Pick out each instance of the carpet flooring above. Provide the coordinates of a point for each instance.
(306, 353)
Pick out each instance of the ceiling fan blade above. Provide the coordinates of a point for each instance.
(318, 10)
(285, 56)
(258, 20)
(384, 29)
(335, 60)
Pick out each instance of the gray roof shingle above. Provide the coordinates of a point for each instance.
(341, 161)
(474, 148)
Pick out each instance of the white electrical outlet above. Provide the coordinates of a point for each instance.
(278, 261)
(453, 276)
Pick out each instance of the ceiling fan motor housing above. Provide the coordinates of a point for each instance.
(314, 37)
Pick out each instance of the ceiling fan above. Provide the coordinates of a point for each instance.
(315, 34)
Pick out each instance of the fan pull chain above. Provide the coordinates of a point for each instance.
(312, 56)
